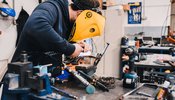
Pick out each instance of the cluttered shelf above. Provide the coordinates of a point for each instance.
(150, 53)
(152, 66)
(148, 67)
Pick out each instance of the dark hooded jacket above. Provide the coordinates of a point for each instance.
(44, 36)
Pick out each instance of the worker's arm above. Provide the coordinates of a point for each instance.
(40, 28)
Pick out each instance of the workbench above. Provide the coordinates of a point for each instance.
(149, 62)
(79, 91)
(143, 68)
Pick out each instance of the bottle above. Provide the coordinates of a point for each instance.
(137, 44)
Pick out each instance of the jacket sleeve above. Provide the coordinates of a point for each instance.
(40, 28)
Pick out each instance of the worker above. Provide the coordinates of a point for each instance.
(46, 32)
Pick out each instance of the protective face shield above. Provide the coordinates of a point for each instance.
(88, 24)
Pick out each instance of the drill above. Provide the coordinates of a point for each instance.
(130, 78)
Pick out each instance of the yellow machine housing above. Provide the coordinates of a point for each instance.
(88, 24)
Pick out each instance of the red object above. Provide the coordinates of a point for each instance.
(137, 44)
(126, 70)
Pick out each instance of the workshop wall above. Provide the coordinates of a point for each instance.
(113, 32)
(155, 14)
(8, 31)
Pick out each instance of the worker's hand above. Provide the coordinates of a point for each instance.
(78, 50)
(86, 47)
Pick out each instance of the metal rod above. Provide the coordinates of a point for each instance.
(64, 93)
(105, 49)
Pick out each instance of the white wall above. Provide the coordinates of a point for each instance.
(9, 33)
(28, 5)
(110, 63)
(157, 13)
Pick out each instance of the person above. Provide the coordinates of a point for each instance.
(46, 32)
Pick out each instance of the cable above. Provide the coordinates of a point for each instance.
(163, 33)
